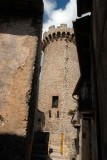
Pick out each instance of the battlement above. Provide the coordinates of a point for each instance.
(60, 32)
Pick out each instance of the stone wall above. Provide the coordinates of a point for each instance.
(17, 54)
(59, 75)
(20, 54)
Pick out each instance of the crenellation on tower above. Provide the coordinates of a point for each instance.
(51, 27)
(60, 32)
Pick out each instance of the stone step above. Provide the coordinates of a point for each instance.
(56, 155)
(58, 158)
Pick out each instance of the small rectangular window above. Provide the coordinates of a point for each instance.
(57, 114)
(49, 113)
(55, 102)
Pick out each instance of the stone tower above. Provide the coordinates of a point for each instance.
(59, 75)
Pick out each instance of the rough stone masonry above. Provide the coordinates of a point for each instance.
(59, 74)
(20, 37)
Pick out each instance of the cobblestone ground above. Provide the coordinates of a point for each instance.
(56, 155)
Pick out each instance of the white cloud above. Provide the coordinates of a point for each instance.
(49, 6)
(59, 16)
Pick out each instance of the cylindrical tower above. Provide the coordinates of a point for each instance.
(59, 74)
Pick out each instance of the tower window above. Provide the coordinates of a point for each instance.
(55, 101)
(57, 114)
(49, 113)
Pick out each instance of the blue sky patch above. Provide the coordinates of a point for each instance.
(61, 3)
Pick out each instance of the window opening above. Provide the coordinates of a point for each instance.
(57, 114)
(49, 113)
(55, 101)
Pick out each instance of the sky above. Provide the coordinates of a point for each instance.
(57, 12)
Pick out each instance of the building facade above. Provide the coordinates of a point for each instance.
(91, 40)
(59, 74)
